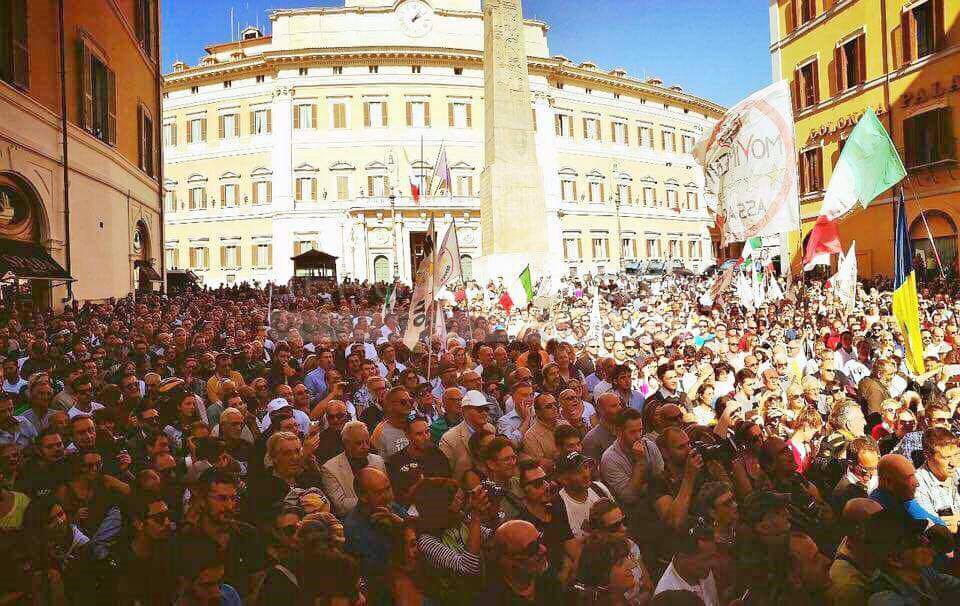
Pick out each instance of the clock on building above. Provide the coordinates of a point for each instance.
(416, 18)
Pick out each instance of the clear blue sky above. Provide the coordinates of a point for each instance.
(714, 48)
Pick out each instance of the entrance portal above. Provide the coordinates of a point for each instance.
(418, 249)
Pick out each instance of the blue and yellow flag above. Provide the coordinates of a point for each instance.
(906, 305)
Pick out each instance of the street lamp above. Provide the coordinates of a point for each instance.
(391, 168)
(616, 203)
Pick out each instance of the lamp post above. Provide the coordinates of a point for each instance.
(616, 204)
(391, 168)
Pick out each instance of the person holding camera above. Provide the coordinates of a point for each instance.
(808, 511)
(672, 491)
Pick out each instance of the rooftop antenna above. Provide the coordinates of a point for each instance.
(231, 25)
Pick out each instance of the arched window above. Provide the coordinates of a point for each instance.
(943, 231)
(381, 269)
(466, 265)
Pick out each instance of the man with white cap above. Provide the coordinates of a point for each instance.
(302, 419)
(455, 442)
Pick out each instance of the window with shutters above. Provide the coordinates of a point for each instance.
(262, 255)
(229, 194)
(261, 79)
(305, 117)
(146, 24)
(694, 249)
(375, 114)
(196, 130)
(673, 199)
(653, 248)
(170, 201)
(228, 84)
(198, 198)
(464, 185)
(649, 196)
(688, 142)
(262, 192)
(230, 257)
(669, 140)
(199, 257)
(675, 249)
(595, 192)
(14, 56)
(302, 246)
(623, 193)
(922, 30)
(693, 200)
(568, 190)
(601, 246)
(850, 62)
(811, 170)
(173, 258)
(306, 189)
(591, 129)
(628, 248)
(99, 96)
(458, 71)
(170, 134)
(461, 114)
(806, 10)
(645, 135)
(146, 155)
(373, 69)
(337, 70)
(343, 187)
(564, 123)
(572, 247)
(807, 87)
(377, 186)
(260, 122)
(418, 114)
(619, 131)
(414, 69)
(928, 138)
(229, 126)
(338, 114)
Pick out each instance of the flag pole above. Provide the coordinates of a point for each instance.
(420, 172)
(923, 215)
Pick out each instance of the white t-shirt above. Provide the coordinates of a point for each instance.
(706, 589)
(577, 512)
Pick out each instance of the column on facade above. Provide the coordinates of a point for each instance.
(546, 140)
(398, 248)
(282, 149)
(361, 249)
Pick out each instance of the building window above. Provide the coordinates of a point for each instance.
(688, 143)
(173, 258)
(572, 247)
(303, 71)
(262, 192)
(147, 137)
(928, 138)
(146, 25)
(669, 140)
(645, 135)
(229, 126)
(619, 132)
(921, 28)
(415, 69)
(228, 194)
(261, 79)
(230, 257)
(339, 113)
(591, 129)
(693, 200)
(375, 114)
(458, 71)
(198, 198)
(170, 201)
(262, 255)
(374, 69)
(302, 246)
(305, 117)
(628, 248)
(653, 248)
(199, 257)
(673, 199)
(306, 188)
(464, 185)
(170, 134)
(260, 122)
(14, 55)
(811, 170)
(807, 10)
(461, 114)
(616, 95)
(807, 85)
(564, 124)
(675, 250)
(595, 192)
(418, 114)
(568, 190)
(337, 70)
(343, 187)
(649, 196)
(377, 186)
(228, 84)
(99, 95)
(851, 63)
(624, 193)
(694, 249)
(588, 91)
(196, 130)
(601, 246)
(194, 90)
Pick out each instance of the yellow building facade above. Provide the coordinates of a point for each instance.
(79, 146)
(903, 60)
(309, 137)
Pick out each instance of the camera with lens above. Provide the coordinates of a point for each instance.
(723, 451)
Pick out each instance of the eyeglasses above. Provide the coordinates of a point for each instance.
(532, 549)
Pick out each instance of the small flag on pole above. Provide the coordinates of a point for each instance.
(520, 293)
(906, 303)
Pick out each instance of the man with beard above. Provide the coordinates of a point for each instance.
(245, 558)
(390, 435)
(519, 570)
(142, 564)
(548, 515)
(43, 472)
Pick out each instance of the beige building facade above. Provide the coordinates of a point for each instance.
(309, 138)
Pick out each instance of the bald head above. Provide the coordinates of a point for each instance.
(898, 476)
(856, 511)
(512, 536)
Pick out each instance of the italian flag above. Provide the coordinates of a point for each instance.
(750, 248)
(520, 293)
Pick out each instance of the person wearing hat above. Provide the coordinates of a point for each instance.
(455, 442)
(579, 492)
(905, 575)
(447, 377)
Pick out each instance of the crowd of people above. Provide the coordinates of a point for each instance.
(237, 447)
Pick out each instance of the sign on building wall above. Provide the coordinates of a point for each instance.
(750, 167)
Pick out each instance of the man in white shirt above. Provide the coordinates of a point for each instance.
(690, 568)
(579, 492)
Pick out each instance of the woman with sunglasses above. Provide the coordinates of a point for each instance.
(89, 495)
(606, 522)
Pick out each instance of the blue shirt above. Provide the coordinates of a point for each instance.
(910, 508)
(316, 382)
(509, 426)
(229, 596)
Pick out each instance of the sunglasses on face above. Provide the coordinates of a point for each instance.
(532, 549)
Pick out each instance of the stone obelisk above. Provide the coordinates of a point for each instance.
(513, 212)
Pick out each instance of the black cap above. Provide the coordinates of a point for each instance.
(572, 462)
(762, 502)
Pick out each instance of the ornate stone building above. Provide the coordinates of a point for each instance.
(309, 138)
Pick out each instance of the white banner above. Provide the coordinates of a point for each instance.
(845, 280)
(750, 167)
(448, 270)
(423, 292)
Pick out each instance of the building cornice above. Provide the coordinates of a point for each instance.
(360, 10)
(554, 68)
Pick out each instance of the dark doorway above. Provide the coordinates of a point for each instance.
(418, 249)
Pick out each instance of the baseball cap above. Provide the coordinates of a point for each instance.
(762, 502)
(572, 462)
(277, 404)
(475, 399)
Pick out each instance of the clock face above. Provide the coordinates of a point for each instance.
(416, 18)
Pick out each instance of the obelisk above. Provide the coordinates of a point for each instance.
(513, 212)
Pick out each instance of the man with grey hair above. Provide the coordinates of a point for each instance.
(338, 472)
(230, 431)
